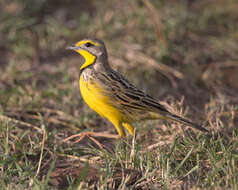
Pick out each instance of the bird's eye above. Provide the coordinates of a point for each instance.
(88, 44)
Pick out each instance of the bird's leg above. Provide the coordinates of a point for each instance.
(129, 128)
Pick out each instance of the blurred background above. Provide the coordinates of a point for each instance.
(182, 52)
(180, 48)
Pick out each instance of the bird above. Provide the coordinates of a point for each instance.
(112, 96)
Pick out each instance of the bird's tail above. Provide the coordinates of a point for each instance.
(185, 121)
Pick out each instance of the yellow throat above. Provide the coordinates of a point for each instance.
(89, 58)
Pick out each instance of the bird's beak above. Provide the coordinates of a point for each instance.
(73, 47)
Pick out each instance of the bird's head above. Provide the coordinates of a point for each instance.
(91, 50)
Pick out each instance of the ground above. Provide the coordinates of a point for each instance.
(183, 53)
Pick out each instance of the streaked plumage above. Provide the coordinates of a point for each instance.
(112, 96)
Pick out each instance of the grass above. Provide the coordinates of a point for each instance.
(194, 73)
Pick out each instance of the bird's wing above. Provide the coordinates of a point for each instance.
(123, 92)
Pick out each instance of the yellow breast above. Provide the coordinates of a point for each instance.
(95, 96)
